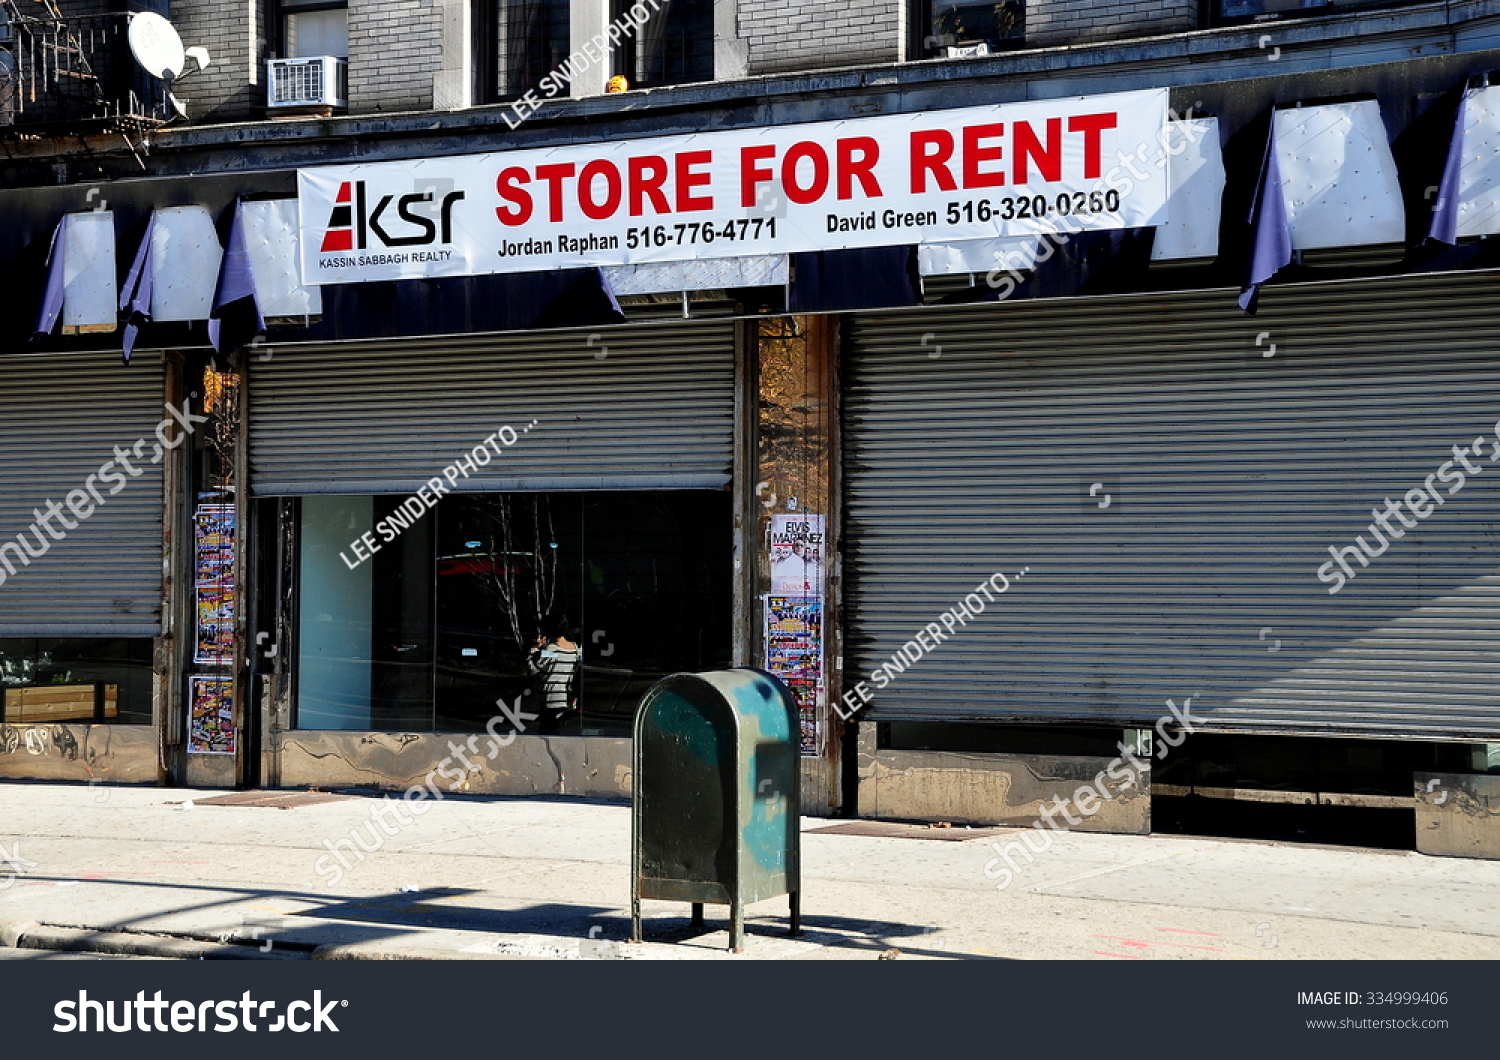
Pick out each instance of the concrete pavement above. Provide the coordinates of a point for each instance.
(139, 870)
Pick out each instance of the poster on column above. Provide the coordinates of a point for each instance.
(797, 555)
(794, 653)
(211, 716)
(213, 583)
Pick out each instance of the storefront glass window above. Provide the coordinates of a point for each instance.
(615, 589)
(506, 563)
(657, 595)
(365, 629)
(45, 681)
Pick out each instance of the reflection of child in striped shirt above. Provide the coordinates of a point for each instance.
(555, 659)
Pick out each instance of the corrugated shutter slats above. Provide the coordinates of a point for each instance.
(638, 407)
(1230, 475)
(61, 417)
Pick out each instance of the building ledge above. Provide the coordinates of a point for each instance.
(1197, 57)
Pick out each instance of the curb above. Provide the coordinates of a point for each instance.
(12, 931)
(345, 951)
(29, 935)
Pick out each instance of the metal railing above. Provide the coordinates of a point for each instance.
(65, 73)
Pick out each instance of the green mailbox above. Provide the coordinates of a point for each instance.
(716, 795)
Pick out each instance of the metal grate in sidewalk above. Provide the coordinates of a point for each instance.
(280, 800)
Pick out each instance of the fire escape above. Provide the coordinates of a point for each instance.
(73, 74)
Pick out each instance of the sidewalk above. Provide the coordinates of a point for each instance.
(137, 870)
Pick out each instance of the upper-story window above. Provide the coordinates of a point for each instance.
(675, 47)
(519, 42)
(962, 27)
(1230, 12)
(314, 27)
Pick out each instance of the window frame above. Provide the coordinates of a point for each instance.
(283, 8)
(922, 32)
(624, 54)
(607, 549)
(1210, 16)
(488, 55)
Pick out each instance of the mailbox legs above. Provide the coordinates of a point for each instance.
(794, 899)
(697, 916)
(635, 919)
(737, 926)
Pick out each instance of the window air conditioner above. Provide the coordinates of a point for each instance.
(318, 81)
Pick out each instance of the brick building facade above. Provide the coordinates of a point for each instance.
(409, 55)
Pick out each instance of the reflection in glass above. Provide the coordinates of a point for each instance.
(960, 24)
(364, 643)
(429, 631)
(518, 42)
(333, 654)
(674, 47)
(47, 680)
(505, 564)
(657, 597)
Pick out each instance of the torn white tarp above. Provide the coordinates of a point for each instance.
(1338, 176)
(185, 257)
(1479, 174)
(978, 257)
(271, 240)
(89, 278)
(1195, 192)
(714, 274)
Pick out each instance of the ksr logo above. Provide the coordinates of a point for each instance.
(352, 222)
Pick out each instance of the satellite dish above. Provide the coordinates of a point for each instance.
(156, 46)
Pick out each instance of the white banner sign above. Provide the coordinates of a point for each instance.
(979, 172)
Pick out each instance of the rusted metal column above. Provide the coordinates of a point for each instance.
(217, 501)
(795, 522)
